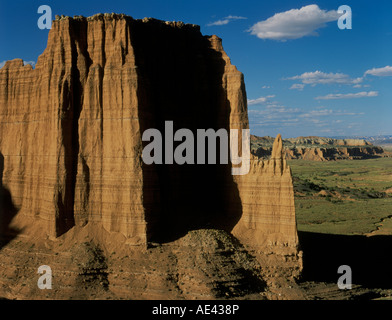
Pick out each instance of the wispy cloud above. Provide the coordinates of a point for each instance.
(294, 24)
(260, 100)
(319, 77)
(274, 115)
(329, 112)
(278, 116)
(363, 94)
(380, 72)
(225, 21)
(297, 86)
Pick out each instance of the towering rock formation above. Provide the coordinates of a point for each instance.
(268, 211)
(71, 137)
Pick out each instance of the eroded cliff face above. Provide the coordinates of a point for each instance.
(268, 212)
(71, 138)
(70, 132)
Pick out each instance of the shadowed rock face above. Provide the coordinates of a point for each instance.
(71, 136)
(7, 209)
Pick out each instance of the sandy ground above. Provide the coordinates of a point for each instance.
(204, 264)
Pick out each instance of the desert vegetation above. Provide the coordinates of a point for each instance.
(343, 197)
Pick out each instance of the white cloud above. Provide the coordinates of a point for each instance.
(380, 72)
(364, 94)
(317, 113)
(219, 23)
(318, 77)
(274, 115)
(2, 64)
(297, 86)
(225, 21)
(260, 100)
(328, 112)
(294, 24)
(266, 87)
(236, 18)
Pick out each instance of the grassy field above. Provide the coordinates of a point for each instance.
(343, 197)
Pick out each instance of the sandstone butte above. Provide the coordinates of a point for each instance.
(318, 148)
(70, 144)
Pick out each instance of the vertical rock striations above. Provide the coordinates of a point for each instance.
(268, 220)
(71, 133)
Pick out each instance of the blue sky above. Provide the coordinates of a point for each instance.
(304, 76)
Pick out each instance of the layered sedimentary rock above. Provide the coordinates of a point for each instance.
(71, 137)
(313, 140)
(325, 154)
(268, 211)
(318, 148)
(338, 153)
(70, 130)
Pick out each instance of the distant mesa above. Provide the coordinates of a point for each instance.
(318, 148)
